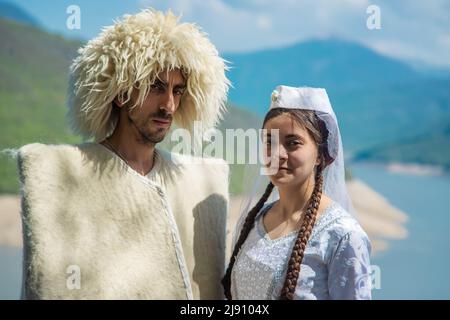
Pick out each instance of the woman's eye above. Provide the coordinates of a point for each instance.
(294, 143)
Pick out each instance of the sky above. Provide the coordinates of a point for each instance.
(415, 31)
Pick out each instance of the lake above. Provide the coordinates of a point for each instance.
(10, 273)
(416, 267)
(412, 268)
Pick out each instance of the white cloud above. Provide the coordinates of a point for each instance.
(444, 40)
(414, 31)
(410, 29)
(264, 22)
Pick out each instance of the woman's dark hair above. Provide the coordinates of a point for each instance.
(317, 129)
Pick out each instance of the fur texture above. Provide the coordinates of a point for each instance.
(82, 206)
(128, 56)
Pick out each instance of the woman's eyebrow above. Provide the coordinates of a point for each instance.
(294, 136)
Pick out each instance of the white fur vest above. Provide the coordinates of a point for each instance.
(96, 229)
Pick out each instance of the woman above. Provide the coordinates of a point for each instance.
(305, 245)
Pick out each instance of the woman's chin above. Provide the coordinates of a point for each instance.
(280, 180)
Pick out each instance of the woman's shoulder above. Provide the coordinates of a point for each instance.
(338, 231)
(338, 224)
(265, 209)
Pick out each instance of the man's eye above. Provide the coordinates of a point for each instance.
(178, 92)
(157, 87)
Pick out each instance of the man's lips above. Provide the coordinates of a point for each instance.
(162, 122)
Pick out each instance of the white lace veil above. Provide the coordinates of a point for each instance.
(315, 99)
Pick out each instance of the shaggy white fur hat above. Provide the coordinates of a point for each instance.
(128, 56)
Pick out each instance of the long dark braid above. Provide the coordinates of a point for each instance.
(248, 225)
(293, 269)
(318, 130)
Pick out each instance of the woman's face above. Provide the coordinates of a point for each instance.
(296, 151)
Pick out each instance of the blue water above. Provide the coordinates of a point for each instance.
(413, 268)
(10, 273)
(416, 267)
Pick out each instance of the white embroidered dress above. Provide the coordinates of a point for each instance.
(336, 264)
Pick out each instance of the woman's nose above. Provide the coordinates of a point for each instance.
(282, 152)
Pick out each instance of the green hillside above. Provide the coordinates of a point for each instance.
(33, 85)
(239, 118)
(430, 149)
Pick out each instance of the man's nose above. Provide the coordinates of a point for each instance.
(168, 102)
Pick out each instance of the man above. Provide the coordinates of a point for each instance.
(118, 218)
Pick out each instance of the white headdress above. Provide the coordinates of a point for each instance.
(315, 99)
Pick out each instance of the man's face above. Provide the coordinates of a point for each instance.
(154, 117)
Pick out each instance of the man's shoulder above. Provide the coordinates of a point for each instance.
(38, 148)
(37, 152)
(43, 148)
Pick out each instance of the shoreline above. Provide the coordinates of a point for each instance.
(380, 219)
(406, 168)
(10, 223)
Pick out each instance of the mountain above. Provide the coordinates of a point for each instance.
(380, 115)
(335, 64)
(377, 99)
(431, 149)
(13, 12)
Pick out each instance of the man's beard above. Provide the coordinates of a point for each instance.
(147, 136)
